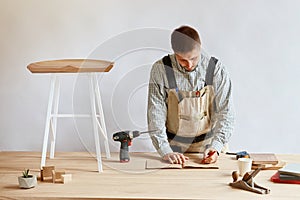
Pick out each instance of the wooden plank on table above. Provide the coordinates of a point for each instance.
(70, 66)
(277, 166)
(263, 158)
(159, 164)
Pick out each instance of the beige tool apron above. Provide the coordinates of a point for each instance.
(190, 117)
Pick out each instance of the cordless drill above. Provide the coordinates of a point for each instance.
(125, 137)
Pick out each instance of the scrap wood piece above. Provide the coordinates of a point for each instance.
(57, 176)
(46, 172)
(279, 165)
(263, 158)
(66, 178)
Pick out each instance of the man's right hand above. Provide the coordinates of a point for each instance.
(175, 158)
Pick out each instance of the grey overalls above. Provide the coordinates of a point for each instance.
(189, 112)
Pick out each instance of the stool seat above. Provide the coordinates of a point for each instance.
(90, 67)
(70, 66)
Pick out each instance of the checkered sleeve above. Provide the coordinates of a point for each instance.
(157, 109)
(223, 117)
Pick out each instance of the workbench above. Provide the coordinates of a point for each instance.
(132, 180)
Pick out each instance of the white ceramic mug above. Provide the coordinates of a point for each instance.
(245, 165)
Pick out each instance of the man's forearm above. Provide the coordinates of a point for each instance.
(161, 144)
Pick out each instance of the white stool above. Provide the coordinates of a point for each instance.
(91, 67)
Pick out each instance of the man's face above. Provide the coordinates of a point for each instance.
(189, 60)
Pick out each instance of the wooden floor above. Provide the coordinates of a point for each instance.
(132, 180)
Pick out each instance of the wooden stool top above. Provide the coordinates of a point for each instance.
(70, 66)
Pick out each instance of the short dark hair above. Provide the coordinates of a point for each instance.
(184, 39)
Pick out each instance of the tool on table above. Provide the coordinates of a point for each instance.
(240, 154)
(125, 137)
(247, 183)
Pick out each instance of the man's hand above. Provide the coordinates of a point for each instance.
(175, 158)
(210, 156)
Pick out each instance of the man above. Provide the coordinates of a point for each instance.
(189, 101)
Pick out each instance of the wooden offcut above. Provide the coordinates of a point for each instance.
(263, 158)
(46, 172)
(57, 176)
(66, 178)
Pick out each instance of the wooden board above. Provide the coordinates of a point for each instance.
(70, 66)
(159, 164)
(263, 158)
(279, 165)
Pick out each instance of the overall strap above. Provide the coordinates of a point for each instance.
(169, 72)
(171, 76)
(210, 71)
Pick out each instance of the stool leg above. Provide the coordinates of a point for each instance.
(48, 119)
(94, 121)
(102, 125)
(54, 118)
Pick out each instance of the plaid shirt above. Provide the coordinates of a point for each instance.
(222, 118)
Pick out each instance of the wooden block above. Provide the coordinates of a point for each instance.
(53, 176)
(65, 178)
(46, 172)
(263, 158)
(42, 179)
(57, 176)
(279, 165)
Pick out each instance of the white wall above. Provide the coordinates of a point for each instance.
(257, 40)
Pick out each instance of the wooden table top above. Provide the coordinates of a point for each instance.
(70, 66)
(132, 181)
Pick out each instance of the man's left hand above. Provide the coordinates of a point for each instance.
(210, 156)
